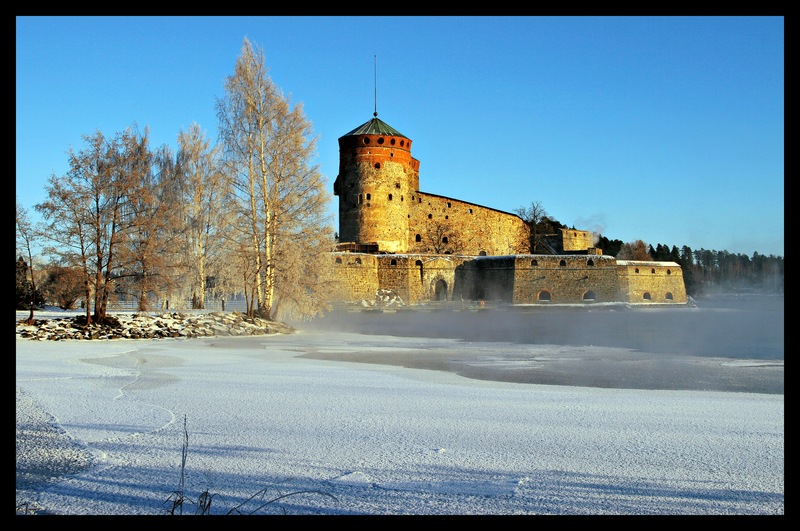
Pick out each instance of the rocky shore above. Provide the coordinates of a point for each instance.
(147, 326)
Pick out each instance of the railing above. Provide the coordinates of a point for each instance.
(215, 305)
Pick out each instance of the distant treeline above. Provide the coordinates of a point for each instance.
(704, 271)
(707, 271)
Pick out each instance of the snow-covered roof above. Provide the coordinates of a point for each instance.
(646, 263)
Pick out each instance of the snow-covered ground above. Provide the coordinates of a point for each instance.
(285, 418)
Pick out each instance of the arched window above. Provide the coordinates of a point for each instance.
(545, 296)
(636, 270)
(338, 260)
(646, 296)
(417, 238)
(653, 271)
(377, 165)
(444, 239)
(358, 261)
(669, 272)
(482, 253)
(668, 296)
(393, 262)
(534, 262)
(390, 197)
(590, 262)
(589, 296)
(563, 263)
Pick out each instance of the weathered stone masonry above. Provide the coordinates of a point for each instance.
(641, 281)
(426, 247)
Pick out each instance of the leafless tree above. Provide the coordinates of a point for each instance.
(63, 285)
(26, 235)
(268, 147)
(442, 237)
(200, 204)
(538, 221)
(239, 270)
(146, 257)
(636, 250)
(89, 214)
(165, 266)
(68, 209)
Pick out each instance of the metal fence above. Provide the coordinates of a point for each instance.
(216, 305)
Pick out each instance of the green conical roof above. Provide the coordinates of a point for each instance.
(375, 127)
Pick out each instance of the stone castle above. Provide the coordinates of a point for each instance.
(421, 247)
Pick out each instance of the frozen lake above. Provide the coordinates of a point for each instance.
(727, 343)
(359, 423)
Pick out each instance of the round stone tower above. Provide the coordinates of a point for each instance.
(377, 180)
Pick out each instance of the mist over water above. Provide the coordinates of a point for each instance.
(720, 343)
(739, 327)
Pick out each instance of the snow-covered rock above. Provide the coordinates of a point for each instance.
(144, 326)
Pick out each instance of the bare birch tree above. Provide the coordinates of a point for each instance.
(268, 148)
(169, 266)
(201, 202)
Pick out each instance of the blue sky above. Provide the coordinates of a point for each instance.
(664, 129)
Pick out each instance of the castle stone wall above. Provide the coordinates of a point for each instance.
(415, 277)
(527, 279)
(470, 229)
(576, 240)
(644, 281)
(566, 278)
(514, 279)
(356, 276)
